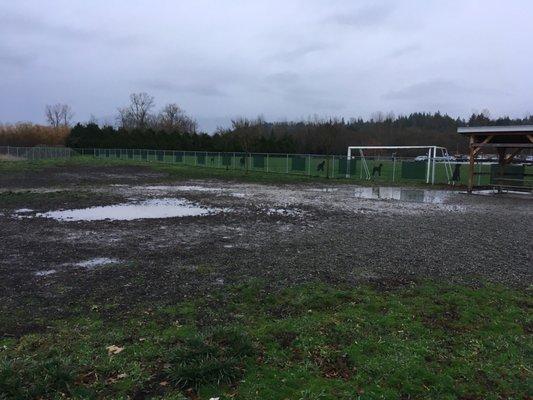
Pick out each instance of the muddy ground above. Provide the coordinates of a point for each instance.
(278, 234)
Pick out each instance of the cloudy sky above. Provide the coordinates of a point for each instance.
(280, 59)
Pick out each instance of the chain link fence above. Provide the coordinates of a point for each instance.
(386, 170)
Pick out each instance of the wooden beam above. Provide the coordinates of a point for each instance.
(478, 145)
(508, 145)
(510, 157)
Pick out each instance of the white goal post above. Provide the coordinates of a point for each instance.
(430, 153)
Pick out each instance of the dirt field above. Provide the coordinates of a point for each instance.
(280, 234)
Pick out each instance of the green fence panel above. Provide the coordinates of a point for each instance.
(212, 159)
(298, 163)
(241, 160)
(226, 160)
(200, 159)
(342, 167)
(258, 161)
(178, 156)
(414, 169)
(513, 175)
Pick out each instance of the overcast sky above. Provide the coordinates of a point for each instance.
(285, 59)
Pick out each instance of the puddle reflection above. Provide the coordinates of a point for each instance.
(402, 194)
(155, 208)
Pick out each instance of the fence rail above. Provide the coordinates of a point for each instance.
(383, 169)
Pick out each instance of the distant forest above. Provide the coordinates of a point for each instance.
(319, 136)
(172, 129)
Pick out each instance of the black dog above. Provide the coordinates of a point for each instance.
(320, 167)
(377, 169)
(456, 173)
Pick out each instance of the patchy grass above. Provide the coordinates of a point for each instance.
(39, 165)
(60, 198)
(307, 342)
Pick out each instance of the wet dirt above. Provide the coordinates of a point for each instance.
(279, 234)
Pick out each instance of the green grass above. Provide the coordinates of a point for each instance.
(39, 165)
(181, 171)
(274, 168)
(308, 342)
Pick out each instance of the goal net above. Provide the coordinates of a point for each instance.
(395, 163)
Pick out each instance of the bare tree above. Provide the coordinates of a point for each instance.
(140, 107)
(93, 120)
(124, 118)
(137, 114)
(58, 114)
(377, 116)
(172, 117)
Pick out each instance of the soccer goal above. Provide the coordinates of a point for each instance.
(399, 162)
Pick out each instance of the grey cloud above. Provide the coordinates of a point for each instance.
(11, 58)
(405, 50)
(284, 77)
(297, 52)
(199, 88)
(440, 88)
(295, 88)
(21, 25)
(365, 17)
(271, 57)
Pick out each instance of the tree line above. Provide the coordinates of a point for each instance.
(138, 125)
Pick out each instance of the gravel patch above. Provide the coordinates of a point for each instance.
(279, 234)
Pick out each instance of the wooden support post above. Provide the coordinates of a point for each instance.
(501, 160)
(471, 164)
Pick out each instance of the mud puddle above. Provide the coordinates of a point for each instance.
(153, 208)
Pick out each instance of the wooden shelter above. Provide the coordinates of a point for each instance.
(505, 141)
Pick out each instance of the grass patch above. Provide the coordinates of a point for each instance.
(29, 198)
(183, 172)
(306, 342)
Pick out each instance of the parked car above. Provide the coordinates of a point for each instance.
(438, 158)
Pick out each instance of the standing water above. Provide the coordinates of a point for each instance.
(402, 194)
(154, 208)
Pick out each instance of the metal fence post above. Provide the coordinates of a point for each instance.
(287, 163)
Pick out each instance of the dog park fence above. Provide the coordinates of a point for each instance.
(393, 169)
